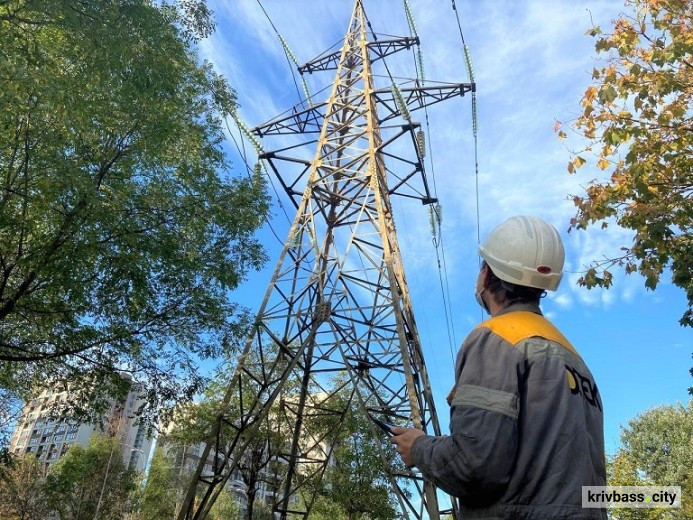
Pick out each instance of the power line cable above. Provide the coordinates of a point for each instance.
(435, 213)
(242, 153)
(290, 57)
(470, 71)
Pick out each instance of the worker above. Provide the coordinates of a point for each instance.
(526, 417)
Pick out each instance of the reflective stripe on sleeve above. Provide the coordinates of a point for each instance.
(487, 399)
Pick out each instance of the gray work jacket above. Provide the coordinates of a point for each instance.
(526, 424)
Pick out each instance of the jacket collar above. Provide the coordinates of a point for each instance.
(516, 307)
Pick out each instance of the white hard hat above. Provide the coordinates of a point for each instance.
(525, 251)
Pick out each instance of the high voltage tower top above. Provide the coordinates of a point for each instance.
(335, 331)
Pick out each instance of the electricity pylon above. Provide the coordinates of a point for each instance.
(338, 300)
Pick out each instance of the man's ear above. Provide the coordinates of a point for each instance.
(485, 275)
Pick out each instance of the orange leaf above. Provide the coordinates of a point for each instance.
(590, 93)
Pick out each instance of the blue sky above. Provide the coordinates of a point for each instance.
(532, 62)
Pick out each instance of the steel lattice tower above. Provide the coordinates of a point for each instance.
(338, 300)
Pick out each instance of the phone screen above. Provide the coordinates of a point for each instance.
(386, 427)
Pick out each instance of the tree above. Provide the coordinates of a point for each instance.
(324, 508)
(657, 449)
(356, 485)
(158, 498)
(122, 230)
(357, 481)
(193, 423)
(91, 482)
(637, 120)
(225, 508)
(22, 490)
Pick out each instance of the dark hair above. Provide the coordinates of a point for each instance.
(506, 293)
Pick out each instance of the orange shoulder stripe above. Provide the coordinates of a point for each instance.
(517, 326)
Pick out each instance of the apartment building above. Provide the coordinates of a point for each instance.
(40, 431)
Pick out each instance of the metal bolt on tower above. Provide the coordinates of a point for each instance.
(338, 301)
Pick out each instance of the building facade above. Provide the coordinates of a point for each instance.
(41, 432)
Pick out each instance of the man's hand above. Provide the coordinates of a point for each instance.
(403, 438)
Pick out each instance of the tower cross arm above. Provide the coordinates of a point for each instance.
(418, 97)
(379, 49)
(310, 120)
(300, 121)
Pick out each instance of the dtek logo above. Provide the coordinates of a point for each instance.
(580, 384)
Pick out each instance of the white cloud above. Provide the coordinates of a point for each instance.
(563, 300)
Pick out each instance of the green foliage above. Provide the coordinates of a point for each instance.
(657, 449)
(357, 485)
(226, 508)
(159, 496)
(121, 229)
(193, 423)
(21, 490)
(636, 117)
(91, 482)
(324, 508)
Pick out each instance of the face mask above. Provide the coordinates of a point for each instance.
(480, 300)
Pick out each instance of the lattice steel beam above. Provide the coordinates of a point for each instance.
(310, 120)
(379, 49)
(338, 302)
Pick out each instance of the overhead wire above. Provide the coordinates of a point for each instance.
(470, 72)
(435, 212)
(245, 131)
(398, 98)
(290, 58)
(242, 153)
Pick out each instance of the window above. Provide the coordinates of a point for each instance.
(134, 458)
(58, 438)
(33, 440)
(48, 431)
(70, 436)
(39, 424)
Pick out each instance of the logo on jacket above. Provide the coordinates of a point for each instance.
(580, 384)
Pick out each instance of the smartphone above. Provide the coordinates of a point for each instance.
(386, 427)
